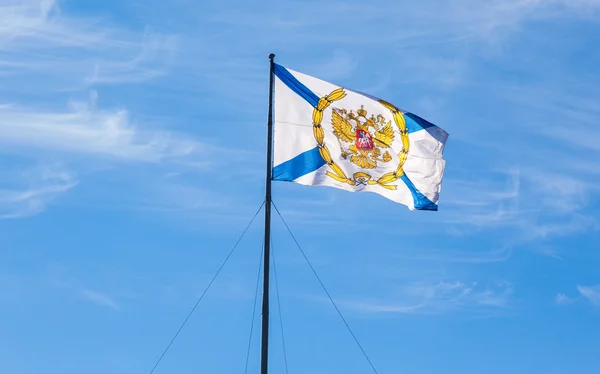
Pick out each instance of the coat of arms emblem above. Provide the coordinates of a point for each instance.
(364, 140)
(361, 139)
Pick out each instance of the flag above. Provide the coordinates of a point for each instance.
(327, 135)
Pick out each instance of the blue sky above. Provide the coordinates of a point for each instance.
(132, 137)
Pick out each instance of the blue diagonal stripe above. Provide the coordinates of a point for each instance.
(421, 201)
(294, 84)
(304, 163)
(415, 123)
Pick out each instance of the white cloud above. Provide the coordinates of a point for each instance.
(447, 22)
(562, 299)
(381, 307)
(48, 57)
(44, 185)
(26, 20)
(592, 293)
(440, 298)
(488, 201)
(456, 256)
(534, 203)
(58, 277)
(559, 192)
(86, 130)
(55, 282)
(36, 39)
(99, 298)
(455, 294)
(485, 202)
(152, 61)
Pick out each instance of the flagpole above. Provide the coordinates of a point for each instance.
(264, 356)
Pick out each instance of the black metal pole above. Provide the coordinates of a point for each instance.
(264, 353)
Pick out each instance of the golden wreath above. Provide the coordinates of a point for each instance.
(359, 177)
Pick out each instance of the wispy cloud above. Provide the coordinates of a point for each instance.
(439, 298)
(559, 192)
(591, 293)
(461, 19)
(49, 59)
(154, 57)
(89, 131)
(456, 256)
(534, 203)
(55, 282)
(30, 19)
(99, 298)
(65, 54)
(38, 39)
(43, 50)
(485, 202)
(43, 185)
(563, 300)
(58, 277)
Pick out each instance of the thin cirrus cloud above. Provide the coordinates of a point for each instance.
(440, 298)
(454, 22)
(57, 281)
(591, 293)
(99, 298)
(88, 131)
(40, 41)
(38, 187)
(65, 53)
(562, 300)
(46, 59)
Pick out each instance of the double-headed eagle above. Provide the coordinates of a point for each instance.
(364, 150)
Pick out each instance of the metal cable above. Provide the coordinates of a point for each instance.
(279, 308)
(325, 289)
(254, 309)
(205, 290)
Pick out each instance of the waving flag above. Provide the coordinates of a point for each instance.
(326, 135)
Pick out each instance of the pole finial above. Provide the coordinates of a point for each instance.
(271, 56)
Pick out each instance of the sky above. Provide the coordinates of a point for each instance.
(132, 150)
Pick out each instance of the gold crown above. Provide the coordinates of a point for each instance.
(362, 112)
(361, 117)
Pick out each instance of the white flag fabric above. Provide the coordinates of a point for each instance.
(327, 135)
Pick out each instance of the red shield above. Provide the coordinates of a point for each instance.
(364, 140)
